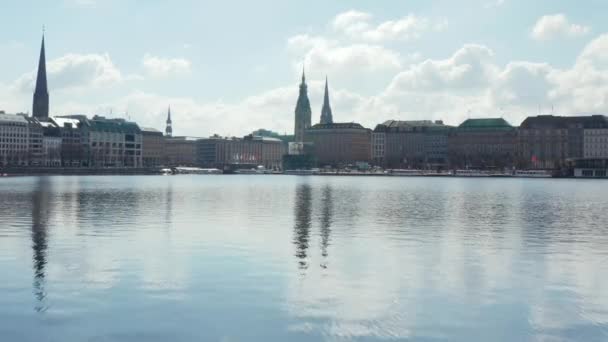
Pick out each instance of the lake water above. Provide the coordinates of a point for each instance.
(287, 258)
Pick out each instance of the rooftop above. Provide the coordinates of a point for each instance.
(486, 124)
(337, 125)
(150, 130)
(13, 118)
(100, 123)
(410, 125)
(552, 121)
(63, 121)
(182, 138)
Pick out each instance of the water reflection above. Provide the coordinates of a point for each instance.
(327, 211)
(379, 259)
(40, 216)
(303, 213)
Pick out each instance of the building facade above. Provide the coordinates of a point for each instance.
(548, 141)
(180, 151)
(410, 144)
(482, 144)
(595, 143)
(110, 142)
(14, 140)
(153, 144)
(51, 149)
(249, 151)
(72, 145)
(340, 144)
(35, 142)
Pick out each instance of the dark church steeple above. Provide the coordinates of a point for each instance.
(169, 129)
(40, 108)
(326, 116)
(303, 111)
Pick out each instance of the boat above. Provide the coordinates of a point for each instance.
(471, 173)
(196, 171)
(532, 174)
(247, 172)
(302, 172)
(406, 172)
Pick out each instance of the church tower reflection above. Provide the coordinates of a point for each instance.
(40, 215)
(327, 211)
(303, 213)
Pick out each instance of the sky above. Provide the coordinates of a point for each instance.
(231, 67)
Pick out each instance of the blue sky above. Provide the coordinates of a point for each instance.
(230, 67)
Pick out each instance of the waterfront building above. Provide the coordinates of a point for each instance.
(180, 151)
(595, 143)
(326, 115)
(302, 113)
(249, 151)
(72, 145)
(548, 141)
(337, 144)
(35, 142)
(40, 108)
(483, 143)
(377, 148)
(14, 140)
(410, 144)
(51, 149)
(109, 142)
(340, 144)
(153, 144)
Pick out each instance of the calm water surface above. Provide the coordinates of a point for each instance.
(282, 258)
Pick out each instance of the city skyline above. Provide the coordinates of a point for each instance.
(410, 76)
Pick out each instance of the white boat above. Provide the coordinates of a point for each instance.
(302, 172)
(196, 171)
(533, 174)
(471, 173)
(247, 172)
(406, 172)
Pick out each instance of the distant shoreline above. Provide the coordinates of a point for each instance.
(78, 171)
(24, 172)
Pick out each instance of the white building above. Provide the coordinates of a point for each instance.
(595, 144)
(51, 149)
(378, 147)
(14, 140)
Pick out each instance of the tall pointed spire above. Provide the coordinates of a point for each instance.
(40, 108)
(169, 129)
(303, 111)
(326, 115)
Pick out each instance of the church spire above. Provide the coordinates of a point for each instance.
(169, 129)
(40, 108)
(326, 115)
(302, 112)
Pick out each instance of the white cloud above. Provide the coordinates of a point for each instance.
(81, 3)
(163, 67)
(494, 3)
(470, 67)
(75, 71)
(324, 56)
(557, 26)
(524, 84)
(357, 25)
